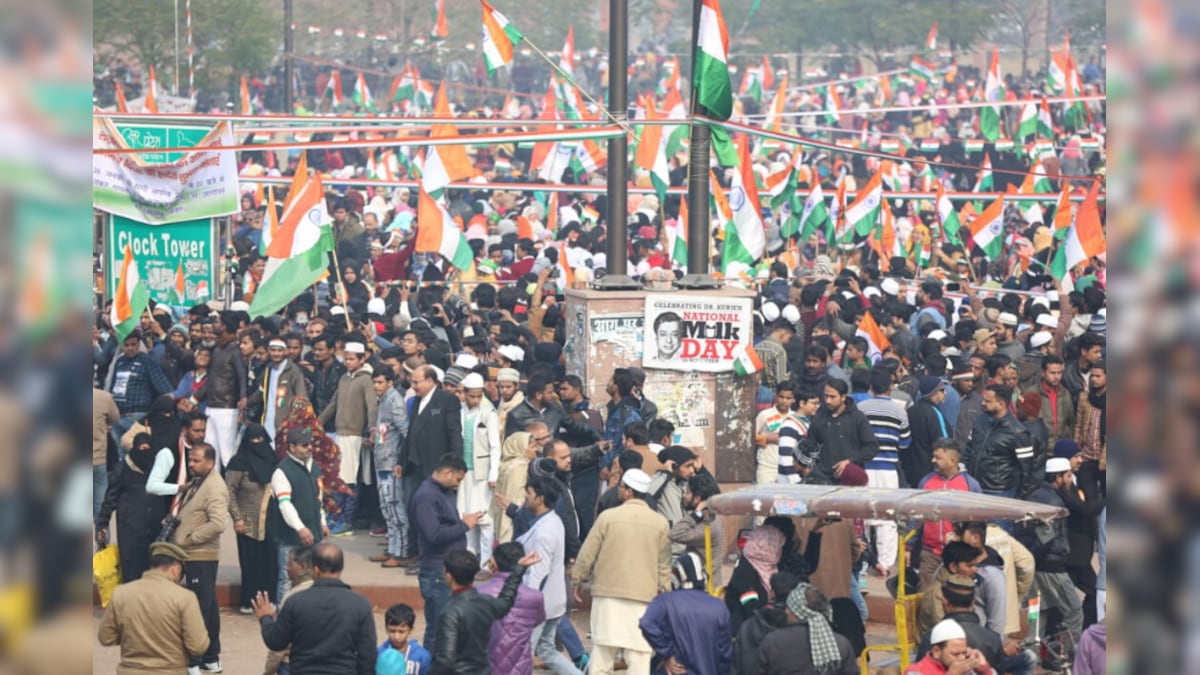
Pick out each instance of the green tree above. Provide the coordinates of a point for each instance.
(230, 37)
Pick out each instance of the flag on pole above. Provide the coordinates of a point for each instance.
(931, 38)
(566, 61)
(746, 360)
(671, 79)
(131, 298)
(438, 233)
(652, 153)
(678, 235)
(833, 105)
(993, 92)
(922, 70)
(714, 91)
(1084, 240)
(441, 29)
(334, 88)
(247, 106)
(298, 255)
(782, 184)
(1063, 218)
(988, 230)
(454, 157)
(362, 94)
(744, 236)
(499, 38)
(864, 212)
(948, 217)
(869, 328)
(150, 102)
(774, 120)
(815, 214)
(122, 105)
(179, 287)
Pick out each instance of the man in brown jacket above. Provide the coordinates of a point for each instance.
(155, 621)
(104, 415)
(354, 411)
(203, 512)
(627, 555)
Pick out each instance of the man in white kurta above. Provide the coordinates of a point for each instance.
(481, 452)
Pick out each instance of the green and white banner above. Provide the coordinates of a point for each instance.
(165, 187)
(167, 256)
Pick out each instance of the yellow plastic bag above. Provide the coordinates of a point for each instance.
(106, 572)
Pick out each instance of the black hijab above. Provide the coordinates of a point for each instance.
(143, 459)
(255, 455)
(163, 423)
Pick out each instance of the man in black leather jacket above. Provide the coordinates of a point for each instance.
(1000, 454)
(465, 624)
(1050, 546)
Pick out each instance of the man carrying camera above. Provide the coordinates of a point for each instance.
(203, 511)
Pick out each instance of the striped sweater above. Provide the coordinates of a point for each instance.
(889, 422)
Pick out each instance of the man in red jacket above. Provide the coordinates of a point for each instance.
(945, 476)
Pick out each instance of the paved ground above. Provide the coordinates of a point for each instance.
(241, 645)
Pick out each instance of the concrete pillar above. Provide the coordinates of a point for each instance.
(712, 412)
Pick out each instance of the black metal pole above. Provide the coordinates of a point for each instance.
(288, 94)
(700, 138)
(617, 255)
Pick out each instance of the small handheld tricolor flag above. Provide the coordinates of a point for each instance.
(178, 288)
(131, 297)
(877, 342)
(499, 38)
(746, 361)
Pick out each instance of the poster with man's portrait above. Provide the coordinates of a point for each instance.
(695, 332)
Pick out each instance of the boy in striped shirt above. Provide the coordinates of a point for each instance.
(791, 431)
(889, 422)
(766, 433)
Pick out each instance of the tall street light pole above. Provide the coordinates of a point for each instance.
(700, 139)
(616, 273)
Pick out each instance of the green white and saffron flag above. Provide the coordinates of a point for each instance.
(131, 297)
(948, 217)
(993, 92)
(988, 230)
(499, 38)
(298, 255)
(362, 94)
(714, 90)
(815, 213)
(863, 214)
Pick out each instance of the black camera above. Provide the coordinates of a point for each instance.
(169, 525)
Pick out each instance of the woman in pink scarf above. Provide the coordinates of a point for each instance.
(750, 586)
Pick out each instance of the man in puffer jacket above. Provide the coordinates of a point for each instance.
(1000, 453)
(509, 647)
(1050, 547)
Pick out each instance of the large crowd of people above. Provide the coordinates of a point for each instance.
(432, 406)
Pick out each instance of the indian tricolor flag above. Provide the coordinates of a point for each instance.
(298, 255)
(334, 89)
(131, 297)
(179, 286)
(150, 102)
(745, 360)
(931, 38)
(362, 94)
(1063, 218)
(677, 236)
(877, 342)
(1084, 240)
(441, 27)
(566, 61)
(499, 38)
(988, 230)
(247, 107)
(744, 236)
(948, 217)
(993, 92)
(814, 215)
(652, 153)
(437, 232)
(864, 212)
(714, 90)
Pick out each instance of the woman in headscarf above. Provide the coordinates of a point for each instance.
(325, 452)
(169, 465)
(249, 479)
(808, 644)
(750, 586)
(515, 454)
(139, 515)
